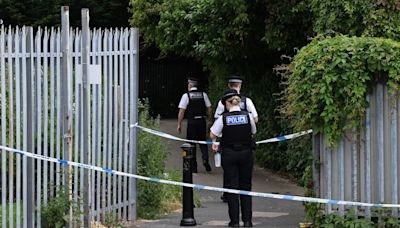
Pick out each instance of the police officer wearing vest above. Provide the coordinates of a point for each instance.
(246, 104)
(236, 128)
(197, 106)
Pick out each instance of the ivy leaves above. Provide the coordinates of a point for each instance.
(377, 18)
(329, 78)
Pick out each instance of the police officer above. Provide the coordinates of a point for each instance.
(246, 104)
(197, 106)
(236, 128)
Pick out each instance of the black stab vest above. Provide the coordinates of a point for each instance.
(196, 106)
(237, 129)
(243, 105)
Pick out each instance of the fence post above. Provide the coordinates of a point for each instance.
(3, 129)
(85, 108)
(66, 92)
(29, 124)
(134, 73)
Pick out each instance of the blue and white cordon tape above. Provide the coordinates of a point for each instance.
(197, 186)
(168, 136)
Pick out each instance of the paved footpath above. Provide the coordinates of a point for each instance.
(213, 212)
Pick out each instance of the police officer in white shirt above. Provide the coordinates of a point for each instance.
(236, 128)
(197, 106)
(246, 104)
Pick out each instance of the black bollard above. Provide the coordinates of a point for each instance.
(187, 201)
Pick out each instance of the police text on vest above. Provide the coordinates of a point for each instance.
(236, 120)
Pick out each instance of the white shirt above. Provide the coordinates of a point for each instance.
(249, 106)
(218, 125)
(185, 100)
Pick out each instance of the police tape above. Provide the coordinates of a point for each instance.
(168, 136)
(285, 137)
(198, 186)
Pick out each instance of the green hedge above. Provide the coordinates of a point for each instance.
(329, 80)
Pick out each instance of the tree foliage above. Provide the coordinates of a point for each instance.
(35, 13)
(221, 30)
(103, 13)
(146, 16)
(376, 18)
(288, 24)
(209, 30)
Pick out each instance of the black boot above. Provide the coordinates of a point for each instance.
(248, 224)
(233, 224)
(207, 166)
(223, 198)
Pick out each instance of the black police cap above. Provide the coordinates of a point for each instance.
(228, 94)
(235, 79)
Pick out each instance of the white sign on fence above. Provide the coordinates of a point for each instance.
(94, 76)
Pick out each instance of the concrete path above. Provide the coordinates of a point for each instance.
(213, 212)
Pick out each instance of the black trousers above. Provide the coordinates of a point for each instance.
(196, 130)
(238, 170)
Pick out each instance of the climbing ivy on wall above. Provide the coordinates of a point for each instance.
(328, 81)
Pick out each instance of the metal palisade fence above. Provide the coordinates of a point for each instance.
(364, 166)
(41, 111)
